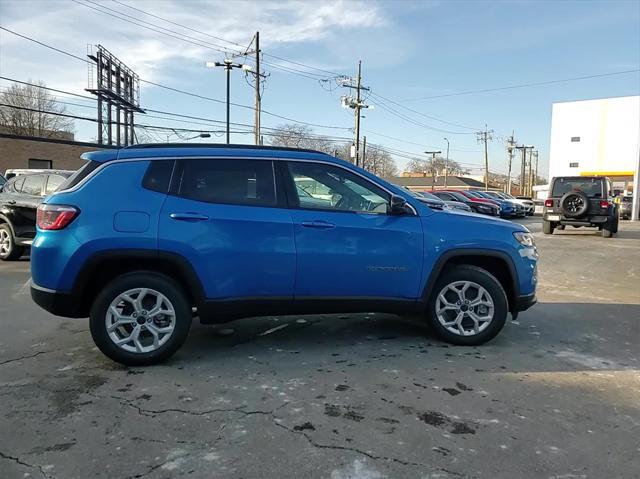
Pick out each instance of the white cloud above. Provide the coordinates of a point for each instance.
(70, 27)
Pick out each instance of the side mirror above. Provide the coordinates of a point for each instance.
(398, 205)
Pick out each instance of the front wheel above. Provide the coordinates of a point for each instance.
(468, 306)
(140, 319)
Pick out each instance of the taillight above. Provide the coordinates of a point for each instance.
(604, 204)
(56, 217)
(548, 203)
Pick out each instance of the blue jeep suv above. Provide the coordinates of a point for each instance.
(143, 238)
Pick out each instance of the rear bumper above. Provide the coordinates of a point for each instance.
(55, 302)
(588, 221)
(524, 302)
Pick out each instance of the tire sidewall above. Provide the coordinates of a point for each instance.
(158, 282)
(493, 287)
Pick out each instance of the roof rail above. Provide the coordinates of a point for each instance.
(220, 146)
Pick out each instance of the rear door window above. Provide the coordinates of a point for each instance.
(227, 181)
(53, 183)
(33, 185)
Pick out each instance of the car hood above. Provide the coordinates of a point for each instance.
(474, 220)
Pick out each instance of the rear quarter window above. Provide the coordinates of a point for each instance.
(84, 171)
(158, 176)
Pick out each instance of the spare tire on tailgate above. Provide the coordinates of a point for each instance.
(574, 204)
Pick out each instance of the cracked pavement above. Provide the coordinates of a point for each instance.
(556, 395)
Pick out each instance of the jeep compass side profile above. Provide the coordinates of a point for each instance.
(141, 236)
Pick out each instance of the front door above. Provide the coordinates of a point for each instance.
(224, 217)
(348, 245)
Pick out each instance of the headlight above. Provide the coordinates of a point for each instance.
(524, 238)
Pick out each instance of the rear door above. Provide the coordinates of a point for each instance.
(27, 204)
(227, 219)
(348, 246)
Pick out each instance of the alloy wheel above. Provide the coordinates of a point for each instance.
(140, 320)
(5, 243)
(464, 308)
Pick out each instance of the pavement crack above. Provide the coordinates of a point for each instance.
(24, 357)
(17, 460)
(356, 450)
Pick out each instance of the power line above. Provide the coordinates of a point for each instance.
(524, 85)
(420, 113)
(224, 40)
(176, 90)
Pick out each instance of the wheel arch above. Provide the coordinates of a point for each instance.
(103, 267)
(498, 263)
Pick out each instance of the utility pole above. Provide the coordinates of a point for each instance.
(433, 161)
(534, 153)
(357, 111)
(364, 151)
(228, 65)
(523, 166)
(258, 105)
(484, 137)
(357, 105)
(446, 164)
(511, 143)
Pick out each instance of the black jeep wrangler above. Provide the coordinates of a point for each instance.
(580, 201)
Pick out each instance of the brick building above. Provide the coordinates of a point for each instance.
(31, 152)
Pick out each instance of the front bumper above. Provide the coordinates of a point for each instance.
(524, 302)
(57, 303)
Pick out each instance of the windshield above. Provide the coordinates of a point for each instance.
(590, 187)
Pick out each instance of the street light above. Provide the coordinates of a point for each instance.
(228, 65)
(201, 135)
(446, 164)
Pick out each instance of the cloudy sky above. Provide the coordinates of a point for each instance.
(419, 54)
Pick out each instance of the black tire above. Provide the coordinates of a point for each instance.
(493, 288)
(574, 204)
(143, 279)
(9, 251)
(548, 227)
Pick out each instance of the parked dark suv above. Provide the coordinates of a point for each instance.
(580, 201)
(19, 200)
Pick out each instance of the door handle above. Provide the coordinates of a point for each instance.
(191, 217)
(318, 224)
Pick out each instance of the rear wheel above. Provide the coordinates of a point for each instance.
(140, 319)
(9, 251)
(468, 306)
(548, 227)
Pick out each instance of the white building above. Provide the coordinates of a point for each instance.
(597, 137)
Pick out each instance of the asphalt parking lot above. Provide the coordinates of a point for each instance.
(556, 395)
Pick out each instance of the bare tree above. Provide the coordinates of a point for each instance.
(300, 136)
(376, 160)
(437, 166)
(32, 111)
